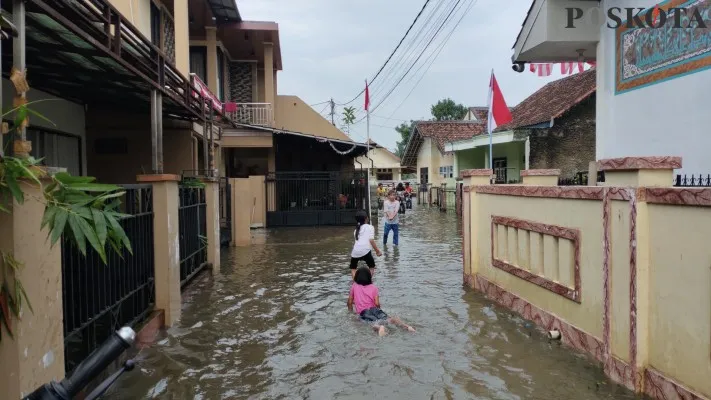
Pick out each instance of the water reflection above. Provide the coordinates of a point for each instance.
(273, 325)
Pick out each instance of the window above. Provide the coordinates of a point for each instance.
(198, 62)
(56, 149)
(220, 74)
(446, 172)
(155, 24)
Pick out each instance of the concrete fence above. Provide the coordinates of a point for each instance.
(622, 271)
(35, 355)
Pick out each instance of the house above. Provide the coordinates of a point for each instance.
(381, 163)
(649, 101)
(552, 128)
(301, 165)
(425, 150)
(476, 114)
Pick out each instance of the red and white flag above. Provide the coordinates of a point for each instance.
(542, 69)
(499, 113)
(367, 96)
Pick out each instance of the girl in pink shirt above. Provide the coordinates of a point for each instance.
(364, 295)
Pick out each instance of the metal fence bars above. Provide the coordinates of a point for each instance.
(98, 299)
(446, 198)
(580, 179)
(192, 217)
(693, 181)
(225, 212)
(315, 198)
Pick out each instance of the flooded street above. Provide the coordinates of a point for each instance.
(274, 325)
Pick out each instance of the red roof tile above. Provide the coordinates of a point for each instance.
(481, 113)
(448, 131)
(552, 100)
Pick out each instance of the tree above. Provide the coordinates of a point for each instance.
(448, 110)
(348, 118)
(404, 130)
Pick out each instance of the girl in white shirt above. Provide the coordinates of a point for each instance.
(364, 240)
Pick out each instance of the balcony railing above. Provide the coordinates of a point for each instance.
(252, 114)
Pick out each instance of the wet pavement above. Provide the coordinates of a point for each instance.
(274, 325)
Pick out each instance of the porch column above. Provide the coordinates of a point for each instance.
(211, 44)
(166, 244)
(527, 152)
(182, 37)
(157, 131)
(241, 212)
(269, 78)
(212, 212)
(473, 178)
(17, 75)
(35, 355)
(455, 167)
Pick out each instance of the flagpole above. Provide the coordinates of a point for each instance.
(367, 120)
(488, 123)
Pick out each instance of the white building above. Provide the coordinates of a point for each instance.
(381, 163)
(650, 98)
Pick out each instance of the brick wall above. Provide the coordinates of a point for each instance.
(569, 145)
(241, 82)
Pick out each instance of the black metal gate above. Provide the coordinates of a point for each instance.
(225, 212)
(315, 198)
(193, 230)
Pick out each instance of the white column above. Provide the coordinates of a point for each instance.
(527, 149)
(456, 165)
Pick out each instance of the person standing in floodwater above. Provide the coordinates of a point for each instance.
(391, 208)
(364, 240)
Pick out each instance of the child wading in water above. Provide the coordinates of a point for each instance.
(364, 295)
(364, 239)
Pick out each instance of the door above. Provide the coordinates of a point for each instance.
(500, 170)
(424, 175)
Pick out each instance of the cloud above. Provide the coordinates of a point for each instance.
(330, 47)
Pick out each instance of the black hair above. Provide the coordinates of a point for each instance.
(363, 277)
(360, 218)
(400, 188)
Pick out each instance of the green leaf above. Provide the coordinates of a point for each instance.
(48, 216)
(65, 178)
(14, 188)
(82, 211)
(60, 221)
(79, 238)
(24, 294)
(93, 239)
(92, 187)
(26, 171)
(20, 115)
(119, 232)
(100, 225)
(36, 114)
(108, 196)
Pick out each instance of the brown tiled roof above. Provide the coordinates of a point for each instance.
(447, 131)
(480, 113)
(552, 100)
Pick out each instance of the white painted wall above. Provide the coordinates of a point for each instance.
(671, 118)
(66, 116)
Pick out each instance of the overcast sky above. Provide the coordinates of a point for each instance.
(329, 48)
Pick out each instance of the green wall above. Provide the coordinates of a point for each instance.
(477, 158)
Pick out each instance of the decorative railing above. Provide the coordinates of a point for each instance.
(98, 22)
(192, 218)
(252, 114)
(693, 181)
(98, 299)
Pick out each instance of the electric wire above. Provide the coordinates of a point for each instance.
(391, 54)
(443, 44)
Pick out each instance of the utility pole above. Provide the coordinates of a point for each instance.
(333, 112)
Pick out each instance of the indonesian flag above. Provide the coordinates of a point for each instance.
(367, 96)
(542, 69)
(499, 113)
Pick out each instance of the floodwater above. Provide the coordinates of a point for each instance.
(274, 325)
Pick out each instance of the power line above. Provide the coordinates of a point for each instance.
(318, 104)
(410, 51)
(391, 54)
(442, 46)
(417, 59)
(415, 62)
